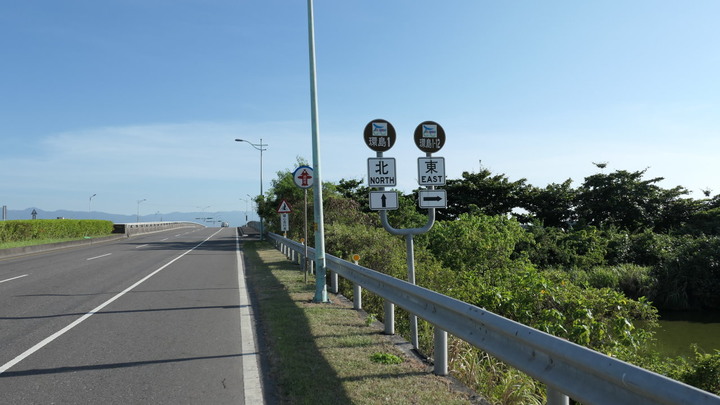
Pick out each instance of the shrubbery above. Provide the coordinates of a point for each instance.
(14, 231)
(616, 245)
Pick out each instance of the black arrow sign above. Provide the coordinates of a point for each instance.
(383, 198)
(436, 198)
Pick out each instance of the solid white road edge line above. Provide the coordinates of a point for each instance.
(62, 331)
(251, 375)
(14, 278)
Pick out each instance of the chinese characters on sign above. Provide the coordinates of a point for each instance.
(431, 171)
(381, 172)
(429, 137)
(379, 135)
(303, 177)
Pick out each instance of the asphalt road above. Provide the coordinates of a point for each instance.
(160, 318)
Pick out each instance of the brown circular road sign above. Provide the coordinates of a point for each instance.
(379, 135)
(429, 136)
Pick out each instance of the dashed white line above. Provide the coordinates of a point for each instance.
(97, 257)
(78, 321)
(14, 278)
(138, 247)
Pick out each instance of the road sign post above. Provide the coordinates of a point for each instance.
(304, 178)
(429, 137)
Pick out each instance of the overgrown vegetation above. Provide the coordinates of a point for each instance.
(45, 229)
(585, 263)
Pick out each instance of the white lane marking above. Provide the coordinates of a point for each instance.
(97, 257)
(250, 356)
(62, 331)
(163, 240)
(138, 247)
(14, 278)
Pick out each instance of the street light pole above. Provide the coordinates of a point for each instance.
(261, 147)
(90, 202)
(320, 285)
(138, 209)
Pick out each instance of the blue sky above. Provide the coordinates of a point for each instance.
(142, 99)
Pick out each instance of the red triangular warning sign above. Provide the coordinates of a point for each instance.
(284, 208)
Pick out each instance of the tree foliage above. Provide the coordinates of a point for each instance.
(581, 263)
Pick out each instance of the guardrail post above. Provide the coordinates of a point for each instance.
(334, 282)
(555, 397)
(441, 353)
(357, 296)
(389, 317)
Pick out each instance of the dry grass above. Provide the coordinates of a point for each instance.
(322, 353)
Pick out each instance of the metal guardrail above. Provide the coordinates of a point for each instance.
(135, 228)
(565, 367)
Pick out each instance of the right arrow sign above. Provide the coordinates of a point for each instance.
(432, 199)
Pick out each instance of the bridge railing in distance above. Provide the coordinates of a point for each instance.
(569, 370)
(135, 228)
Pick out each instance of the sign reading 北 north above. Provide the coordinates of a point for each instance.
(379, 135)
(429, 137)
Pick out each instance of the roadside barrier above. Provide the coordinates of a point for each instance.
(149, 227)
(569, 370)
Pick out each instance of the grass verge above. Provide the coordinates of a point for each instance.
(34, 242)
(323, 353)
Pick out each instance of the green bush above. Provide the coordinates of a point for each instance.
(16, 231)
(704, 372)
(690, 277)
(632, 280)
(478, 242)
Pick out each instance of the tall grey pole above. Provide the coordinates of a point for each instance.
(261, 147)
(320, 286)
(262, 233)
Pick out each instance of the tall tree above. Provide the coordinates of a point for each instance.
(483, 192)
(625, 200)
(553, 206)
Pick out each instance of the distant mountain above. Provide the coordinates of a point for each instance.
(234, 218)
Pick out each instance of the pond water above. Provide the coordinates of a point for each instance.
(678, 330)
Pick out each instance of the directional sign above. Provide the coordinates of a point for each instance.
(432, 199)
(381, 172)
(284, 222)
(379, 135)
(429, 136)
(431, 171)
(383, 200)
(284, 208)
(303, 177)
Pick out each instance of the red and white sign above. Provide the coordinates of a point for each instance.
(284, 208)
(303, 177)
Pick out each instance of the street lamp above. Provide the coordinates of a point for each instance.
(247, 202)
(138, 210)
(261, 147)
(90, 202)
